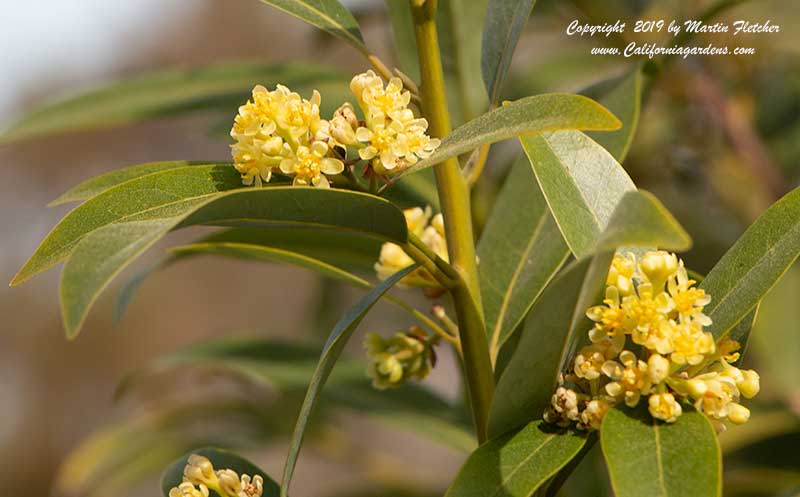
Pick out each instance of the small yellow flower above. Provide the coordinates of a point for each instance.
(592, 415)
(589, 362)
(565, 403)
(397, 359)
(309, 165)
(750, 384)
(620, 275)
(187, 489)
(690, 343)
(647, 310)
(687, 300)
(252, 487)
(433, 236)
(417, 219)
(716, 396)
(610, 319)
(630, 378)
(663, 406)
(297, 119)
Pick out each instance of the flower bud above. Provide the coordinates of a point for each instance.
(200, 471)
(750, 384)
(737, 413)
(696, 388)
(252, 487)
(657, 368)
(229, 483)
(405, 355)
(657, 267)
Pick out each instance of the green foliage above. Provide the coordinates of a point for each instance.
(557, 323)
(501, 31)
(328, 15)
(287, 367)
(754, 264)
(622, 96)
(516, 464)
(338, 338)
(648, 457)
(581, 181)
(221, 459)
(220, 87)
(520, 251)
(535, 114)
(100, 243)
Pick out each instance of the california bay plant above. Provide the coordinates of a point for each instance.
(572, 316)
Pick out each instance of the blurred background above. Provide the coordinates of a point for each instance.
(718, 142)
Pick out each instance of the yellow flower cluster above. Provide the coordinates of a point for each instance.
(391, 137)
(655, 304)
(393, 258)
(279, 131)
(405, 355)
(199, 477)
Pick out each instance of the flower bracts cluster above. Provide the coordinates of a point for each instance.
(279, 131)
(649, 341)
(199, 477)
(405, 355)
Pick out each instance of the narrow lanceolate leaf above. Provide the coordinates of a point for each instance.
(648, 457)
(328, 15)
(536, 114)
(271, 254)
(581, 181)
(754, 264)
(502, 28)
(557, 323)
(103, 253)
(337, 340)
(516, 464)
(287, 367)
(221, 459)
(166, 93)
(622, 96)
(520, 250)
(99, 184)
(177, 189)
(333, 253)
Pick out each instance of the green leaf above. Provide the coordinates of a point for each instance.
(271, 254)
(346, 250)
(536, 114)
(753, 265)
(165, 93)
(557, 322)
(581, 181)
(308, 247)
(288, 368)
(337, 340)
(327, 15)
(516, 464)
(622, 96)
(106, 251)
(99, 184)
(502, 28)
(647, 457)
(221, 459)
(520, 251)
(143, 197)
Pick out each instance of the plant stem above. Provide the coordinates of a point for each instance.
(454, 199)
